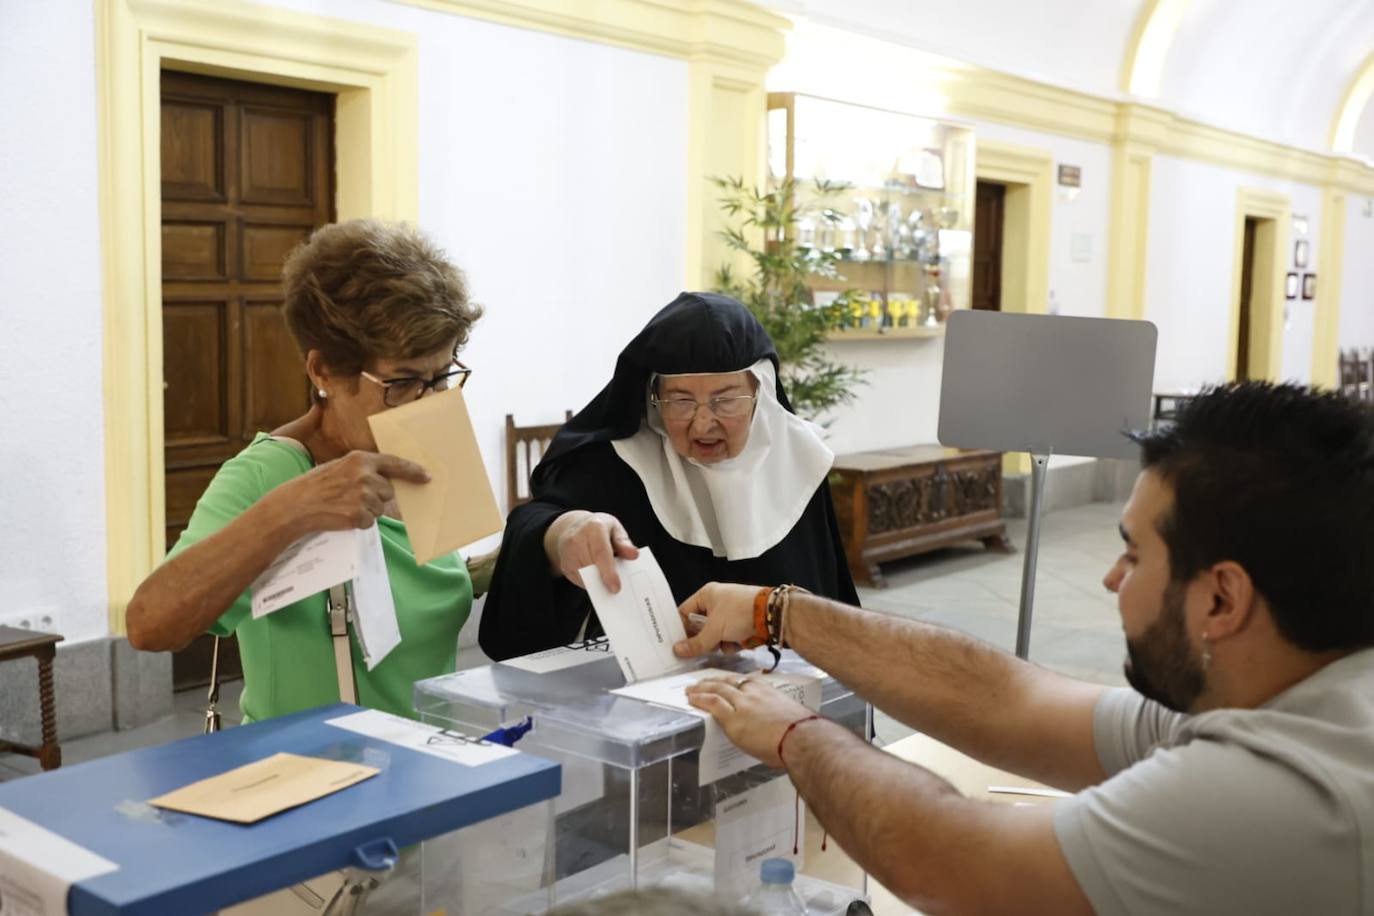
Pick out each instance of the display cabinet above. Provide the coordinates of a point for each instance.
(898, 194)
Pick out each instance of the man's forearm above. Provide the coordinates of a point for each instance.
(914, 833)
(965, 693)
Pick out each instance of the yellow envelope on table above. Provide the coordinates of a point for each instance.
(262, 788)
(457, 506)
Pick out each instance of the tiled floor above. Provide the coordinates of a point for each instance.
(1076, 629)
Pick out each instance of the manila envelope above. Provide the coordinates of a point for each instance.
(262, 788)
(457, 506)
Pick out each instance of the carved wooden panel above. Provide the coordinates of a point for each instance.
(194, 400)
(265, 249)
(275, 160)
(905, 503)
(975, 490)
(193, 251)
(192, 151)
(275, 386)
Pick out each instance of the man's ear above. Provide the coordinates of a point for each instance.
(1231, 598)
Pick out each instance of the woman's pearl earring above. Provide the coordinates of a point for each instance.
(323, 393)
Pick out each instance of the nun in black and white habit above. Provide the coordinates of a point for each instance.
(691, 450)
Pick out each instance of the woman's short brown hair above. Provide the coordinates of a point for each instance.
(366, 289)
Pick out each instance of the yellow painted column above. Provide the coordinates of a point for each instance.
(734, 45)
(1140, 132)
(1330, 259)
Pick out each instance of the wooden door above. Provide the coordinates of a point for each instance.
(1247, 291)
(987, 246)
(247, 173)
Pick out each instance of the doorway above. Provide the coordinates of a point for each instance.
(987, 245)
(247, 172)
(1247, 291)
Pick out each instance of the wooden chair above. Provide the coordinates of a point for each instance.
(525, 445)
(17, 643)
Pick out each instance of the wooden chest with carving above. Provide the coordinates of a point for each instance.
(898, 502)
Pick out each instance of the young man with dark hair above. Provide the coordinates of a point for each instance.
(1237, 776)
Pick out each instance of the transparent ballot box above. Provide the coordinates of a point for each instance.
(633, 810)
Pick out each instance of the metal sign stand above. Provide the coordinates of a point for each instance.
(1046, 385)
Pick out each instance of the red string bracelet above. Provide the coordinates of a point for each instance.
(788, 731)
(796, 804)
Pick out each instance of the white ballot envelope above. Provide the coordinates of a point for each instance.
(641, 619)
(319, 562)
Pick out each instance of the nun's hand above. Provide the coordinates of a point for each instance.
(729, 613)
(578, 539)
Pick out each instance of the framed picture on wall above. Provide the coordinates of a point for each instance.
(1309, 286)
(1290, 286)
(1300, 248)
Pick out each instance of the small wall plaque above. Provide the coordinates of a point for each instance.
(1070, 176)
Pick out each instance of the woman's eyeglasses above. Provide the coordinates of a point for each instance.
(398, 391)
(685, 408)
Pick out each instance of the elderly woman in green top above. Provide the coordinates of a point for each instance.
(380, 315)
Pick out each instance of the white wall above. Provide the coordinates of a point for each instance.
(1357, 283)
(1191, 259)
(52, 471)
(900, 404)
(552, 170)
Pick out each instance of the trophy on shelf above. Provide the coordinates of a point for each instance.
(844, 237)
(863, 218)
(894, 225)
(933, 313)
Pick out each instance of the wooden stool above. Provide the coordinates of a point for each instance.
(17, 643)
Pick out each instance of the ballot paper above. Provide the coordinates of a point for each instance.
(38, 867)
(249, 793)
(318, 562)
(719, 757)
(561, 658)
(765, 822)
(427, 739)
(641, 619)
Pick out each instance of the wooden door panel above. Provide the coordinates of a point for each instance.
(247, 173)
(192, 151)
(265, 249)
(276, 154)
(987, 246)
(194, 350)
(275, 388)
(194, 251)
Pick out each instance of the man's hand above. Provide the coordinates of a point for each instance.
(729, 613)
(753, 713)
(578, 539)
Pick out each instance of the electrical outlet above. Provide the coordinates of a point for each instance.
(42, 620)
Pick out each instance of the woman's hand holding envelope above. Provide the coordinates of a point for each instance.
(348, 492)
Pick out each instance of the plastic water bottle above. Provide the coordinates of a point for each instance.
(776, 896)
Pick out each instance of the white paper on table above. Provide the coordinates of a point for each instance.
(313, 564)
(560, 658)
(374, 609)
(756, 825)
(38, 867)
(417, 736)
(641, 619)
(719, 756)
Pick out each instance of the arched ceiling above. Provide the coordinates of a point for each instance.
(1278, 69)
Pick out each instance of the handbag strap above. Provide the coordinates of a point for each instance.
(339, 612)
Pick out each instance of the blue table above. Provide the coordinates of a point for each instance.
(179, 863)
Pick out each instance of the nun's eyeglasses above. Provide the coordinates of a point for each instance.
(724, 408)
